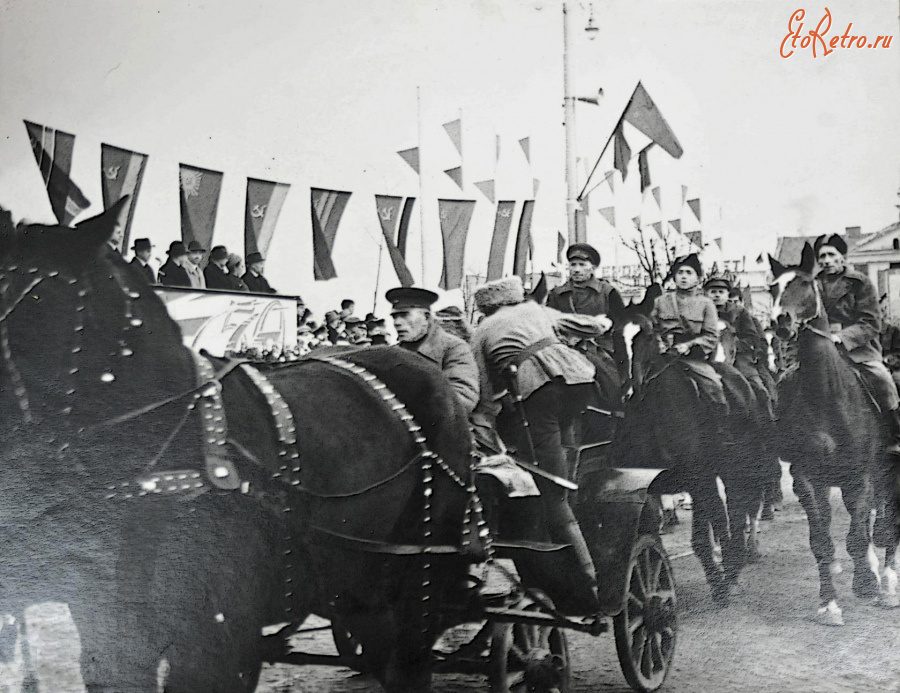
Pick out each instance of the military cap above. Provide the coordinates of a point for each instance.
(353, 321)
(253, 258)
(220, 252)
(718, 282)
(196, 247)
(583, 251)
(691, 261)
(141, 244)
(835, 241)
(405, 297)
(177, 249)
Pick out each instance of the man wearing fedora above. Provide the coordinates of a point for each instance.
(584, 293)
(195, 256)
(142, 249)
(174, 272)
(851, 304)
(254, 278)
(216, 272)
(418, 331)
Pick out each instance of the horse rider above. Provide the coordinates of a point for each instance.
(584, 293)
(742, 340)
(418, 331)
(550, 387)
(851, 304)
(890, 341)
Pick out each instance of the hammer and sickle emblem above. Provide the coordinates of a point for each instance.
(111, 172)
(258, 211)
(386, 213)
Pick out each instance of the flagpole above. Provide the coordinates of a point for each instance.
(569, 109)
(421, 183)
(377, 277)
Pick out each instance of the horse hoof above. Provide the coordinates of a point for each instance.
(753, 556)
(830, 615)
(835, 568)
(768, 513)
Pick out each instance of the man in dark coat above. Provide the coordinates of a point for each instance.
(173, 272)
(254, 278)
(216, 272)
(851, 303)
(584, 293)
(142, 249)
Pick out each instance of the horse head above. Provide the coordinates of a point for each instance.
(795, 295)
(633, 337)
(82, 339)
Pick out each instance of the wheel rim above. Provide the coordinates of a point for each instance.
(529, 658)
(646, 630)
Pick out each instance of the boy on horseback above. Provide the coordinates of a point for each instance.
(851, 304)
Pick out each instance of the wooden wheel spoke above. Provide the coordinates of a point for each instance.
(646, 667)
(656, 651)
(637, 575)
(633, 599)
(655, 574)
(635, 623)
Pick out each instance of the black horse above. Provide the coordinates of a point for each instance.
(830, 434)
(175, 532)
(667, 424)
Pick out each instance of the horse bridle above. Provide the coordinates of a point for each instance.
(820, 306)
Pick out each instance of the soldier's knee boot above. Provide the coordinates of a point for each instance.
(564, 529)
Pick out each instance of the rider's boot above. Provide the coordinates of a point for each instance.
(892, 424)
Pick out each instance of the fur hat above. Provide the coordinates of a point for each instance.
(835, 241)
(502, 292)
(691, 261)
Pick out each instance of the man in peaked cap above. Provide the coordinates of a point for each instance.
(173, 271)
(584, 293)
(142, 249)
(254, 278)
(417, 330)
(851, 303)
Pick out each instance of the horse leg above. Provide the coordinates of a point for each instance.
(708, 512)
(859, 499)
(890, 597)
(813, 497)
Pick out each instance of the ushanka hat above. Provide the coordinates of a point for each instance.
(691, 261)
(502, 292)
(835, 241)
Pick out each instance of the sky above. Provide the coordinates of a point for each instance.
(323, 94)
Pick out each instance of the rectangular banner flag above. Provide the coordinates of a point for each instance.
(455, 217)
(264, 201)
(523, 239)
(388, 208)
(122, 173)
(502, 225)
(327, 207)
(53, 153)
(200, 190)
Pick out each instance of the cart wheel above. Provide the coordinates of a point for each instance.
(528, 658)
(646, 630)
(349, 647)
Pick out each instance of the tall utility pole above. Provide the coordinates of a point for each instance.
(569, 104)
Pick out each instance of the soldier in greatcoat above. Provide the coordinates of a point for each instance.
(584, 293)
(851, 303)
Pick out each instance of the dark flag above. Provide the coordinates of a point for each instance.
(122, 173)
(622, 153)
(53, 153)
(523, 239)
(389, 215)
(403, 232)
(695, 207)
(644, 167)
(327, 207)
(560, 246)
(455, 217)
(502, 225)
(200, 190)
(643, 114)
(264, 201)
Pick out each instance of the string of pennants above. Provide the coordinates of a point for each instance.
(122, 173)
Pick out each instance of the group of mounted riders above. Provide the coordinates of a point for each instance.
(529, 371)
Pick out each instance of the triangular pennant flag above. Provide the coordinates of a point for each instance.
(695, 237)
(643, 114)
(675, 224)
(454, 132)
(695, 207)
(759, 259)
(644, 167)
(525, 143)
(535, 185)
(502, 224)
(53, 153)
(200, 190)
(609, 213)
(539, 293)
(523, 239)
(622, 154)
(411, 157)
(683, 194)
(455, 175)
(487, 187)
(610, 178)
(718, 242)
(455, 217)
(637, 222)
(657, 196)
(388, 208)
(264, 201)
(657, 226)
(122, 171)
(327, 207)
(560, 246)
